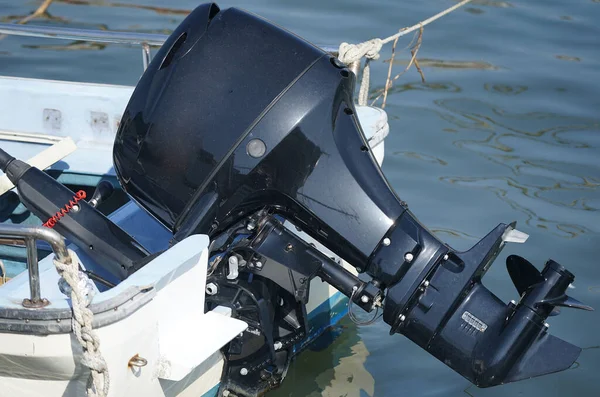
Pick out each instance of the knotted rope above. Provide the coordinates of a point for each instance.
(349, 53)
(98, 381)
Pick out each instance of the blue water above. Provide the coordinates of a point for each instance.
(506, 127)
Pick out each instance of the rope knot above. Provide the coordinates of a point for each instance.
(349, 53)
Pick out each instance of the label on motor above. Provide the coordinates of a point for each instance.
(474, 322)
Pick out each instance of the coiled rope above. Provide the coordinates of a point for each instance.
(350, 53)
(99, 381)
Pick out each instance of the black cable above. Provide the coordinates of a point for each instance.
(354, 319)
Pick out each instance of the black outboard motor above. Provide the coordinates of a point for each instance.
(235, 116)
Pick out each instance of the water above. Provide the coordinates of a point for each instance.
(506, 127)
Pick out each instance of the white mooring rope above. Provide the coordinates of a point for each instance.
(99, 380)
(349, 53)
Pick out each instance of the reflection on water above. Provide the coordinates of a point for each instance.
(335, 370)
(533, 147)
(568, 58)
(447, 64)
(421, 156)
(525, 199)
(505, 88)
(102, 3)
(415, 86)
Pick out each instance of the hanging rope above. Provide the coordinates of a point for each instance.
(349, 53)
(78, 289)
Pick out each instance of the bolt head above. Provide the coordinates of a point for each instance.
(408, 257)
(426, 283)
(387, 241)
(446, 257)
(364, 299)
(402, 317)
(278, 345)
(259, 265)
(244, 371)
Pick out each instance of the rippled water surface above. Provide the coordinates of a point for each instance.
(506, 127)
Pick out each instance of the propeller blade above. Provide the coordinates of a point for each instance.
(522, 273)
(566, 301)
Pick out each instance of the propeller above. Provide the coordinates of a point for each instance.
(522, 273)
(565, 301)
(539, 289)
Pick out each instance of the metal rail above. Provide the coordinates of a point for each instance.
(145, 40)
(17, 235)
(98, 36)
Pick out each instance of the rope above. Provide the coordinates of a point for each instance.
(349, 53)
(98, 381)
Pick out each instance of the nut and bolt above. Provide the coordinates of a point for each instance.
(250, 226)
(289, 247)
(259, 265)
(387, 241)
(408, 257)
(402, 317)
(426, 283)
(446, 257)
(364, 299)
(225, 393)
(244, 371)
(278, 345)
(211, 289)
